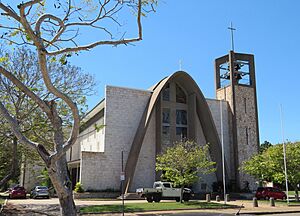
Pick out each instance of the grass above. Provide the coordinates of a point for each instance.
(139, 207)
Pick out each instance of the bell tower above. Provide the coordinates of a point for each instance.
(236, 84)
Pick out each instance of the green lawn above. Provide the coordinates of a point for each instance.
(137, 207)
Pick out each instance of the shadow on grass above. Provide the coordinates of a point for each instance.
(109, 208)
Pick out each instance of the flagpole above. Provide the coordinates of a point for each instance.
(284, 156)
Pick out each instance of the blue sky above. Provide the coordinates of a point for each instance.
(196, 33)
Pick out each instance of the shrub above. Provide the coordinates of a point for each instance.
(78, 188)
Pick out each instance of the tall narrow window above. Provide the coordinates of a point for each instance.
(247, 136)
(166, 93)
(181, 133)
(181, 117)
(181, 125)
(180, 95)
(245, 104)
(166, 116)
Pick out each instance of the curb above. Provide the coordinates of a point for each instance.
(267, 213)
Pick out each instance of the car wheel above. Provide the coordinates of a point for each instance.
(156, 198)
(186, 197)
(284, 198)
(150, 199)
(177, 199)
(267, 197)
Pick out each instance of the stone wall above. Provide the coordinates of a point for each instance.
(123, 110)
(247, 130)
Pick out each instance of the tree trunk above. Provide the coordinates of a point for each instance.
(181, 194)
(296, 193)
(60, 178)
(67, 205)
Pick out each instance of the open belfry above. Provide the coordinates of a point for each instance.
(236, 84)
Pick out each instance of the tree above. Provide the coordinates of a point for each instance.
(182, 163)
(264, 146)
(23, 64)
(269, 165)
(53, 32)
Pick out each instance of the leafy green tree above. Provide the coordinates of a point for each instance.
(23, 64)
(56, 31)
(265, 145)
(269, 165)
(182, 163)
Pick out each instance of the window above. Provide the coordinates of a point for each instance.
(166, 131)
(166, 93)
(180, 95)
(181, 133)
(166, 116)
(181, 117)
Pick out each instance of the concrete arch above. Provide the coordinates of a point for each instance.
(203, 114)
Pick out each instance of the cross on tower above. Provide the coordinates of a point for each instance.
(231, 29)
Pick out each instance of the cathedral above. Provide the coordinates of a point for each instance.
(122, 135)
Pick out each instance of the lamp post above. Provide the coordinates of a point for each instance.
(223, 153)
(284, 156)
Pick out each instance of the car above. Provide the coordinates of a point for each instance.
(268, 192)
(17, 192)
(40, 191)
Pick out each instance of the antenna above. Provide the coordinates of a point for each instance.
(231, 30)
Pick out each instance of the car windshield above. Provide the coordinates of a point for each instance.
(41, 188)
(18, 188)
(167, 185)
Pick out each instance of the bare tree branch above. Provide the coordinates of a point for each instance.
(31, 94)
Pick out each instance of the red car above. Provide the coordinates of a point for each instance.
(17, 192)
(267, 192)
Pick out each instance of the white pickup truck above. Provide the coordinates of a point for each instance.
(164, 190)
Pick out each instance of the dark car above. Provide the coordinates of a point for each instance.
(40, 191)
(268, 192)
(17, 192)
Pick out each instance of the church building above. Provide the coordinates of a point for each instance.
(140, 124)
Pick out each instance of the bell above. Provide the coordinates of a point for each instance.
(237, 76)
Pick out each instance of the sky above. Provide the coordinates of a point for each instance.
(195, 32)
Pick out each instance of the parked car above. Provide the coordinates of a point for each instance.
(267, 192)
(40, 191)
(17, 192)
